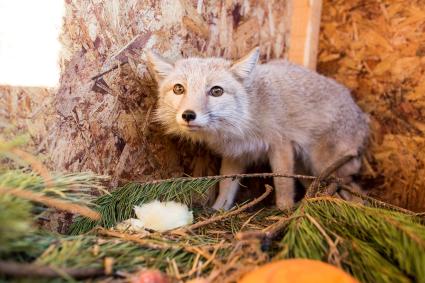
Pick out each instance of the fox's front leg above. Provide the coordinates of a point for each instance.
(228, 187)
(281, 158)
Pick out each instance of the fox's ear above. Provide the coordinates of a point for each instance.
(244, 66)
(160, 65)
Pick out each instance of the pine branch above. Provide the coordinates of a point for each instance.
(378, 203)
(118, 205)
(379, 245)
(16, 269)
(15, 221)
(76, 187)
(36, 165)
(61, 252)
(70, 192)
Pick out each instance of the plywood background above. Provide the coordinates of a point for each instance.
(28, 111)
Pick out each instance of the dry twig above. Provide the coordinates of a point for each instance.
(240, 176)
(228, 214)
(268, 233)
(333, 256)
(136, 239)
(210, 259)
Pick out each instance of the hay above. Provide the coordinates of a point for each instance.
(376, 48)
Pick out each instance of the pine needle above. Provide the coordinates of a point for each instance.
(376, 245)
(15, 220)
(89, 251)
(74, 187)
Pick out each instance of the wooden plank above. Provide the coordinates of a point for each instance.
(304, 35)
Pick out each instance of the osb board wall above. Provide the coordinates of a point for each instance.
(107, 127)
(377, 48)
(27, 111)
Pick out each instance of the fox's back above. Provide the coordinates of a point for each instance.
(301, 105)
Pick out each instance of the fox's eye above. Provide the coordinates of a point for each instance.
(216, 91)
(178, 89)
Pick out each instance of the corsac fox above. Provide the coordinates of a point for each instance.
(249, 112)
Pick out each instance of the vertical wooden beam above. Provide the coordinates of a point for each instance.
(304, 34)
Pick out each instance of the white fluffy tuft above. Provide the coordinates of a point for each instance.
(163, 216)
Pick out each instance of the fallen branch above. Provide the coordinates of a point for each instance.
(228, 214)
(136, 239)
(240, 176)
(52, 202)
(16, 269)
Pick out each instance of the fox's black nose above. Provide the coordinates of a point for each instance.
(189, 115)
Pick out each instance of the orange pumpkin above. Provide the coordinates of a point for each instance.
(297, 271)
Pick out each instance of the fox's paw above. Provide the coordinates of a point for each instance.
(351, 197)
(285, 203)
(222, 204)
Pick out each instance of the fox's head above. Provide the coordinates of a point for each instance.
(203, 96)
